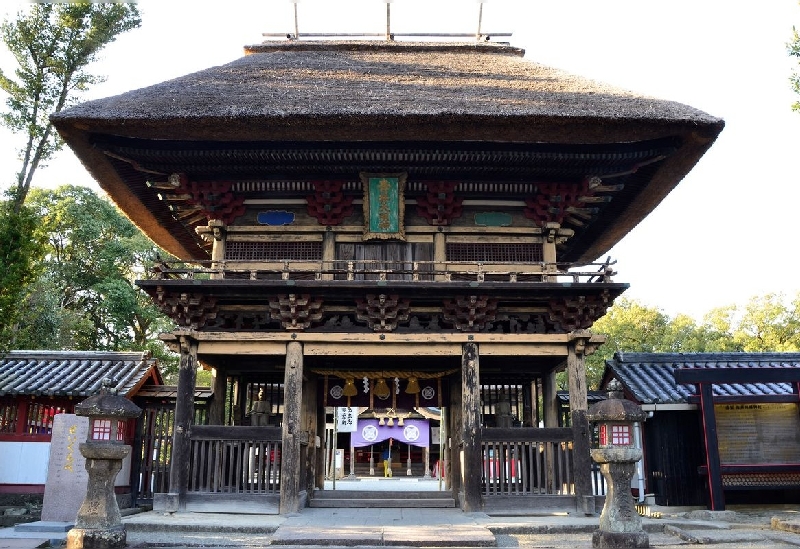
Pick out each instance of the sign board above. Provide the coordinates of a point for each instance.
(346, 419)
(758, 433)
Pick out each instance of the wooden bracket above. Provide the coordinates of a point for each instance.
(213, 199)
(440, 205)
(190, 310)
(469, 314)
(295, 312)
(382, 313)
(577, 313)
(328, 205)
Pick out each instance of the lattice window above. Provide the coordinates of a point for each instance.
(40, 418)
(273, 251)
(101, 429)
(495, 253)
(8, 416)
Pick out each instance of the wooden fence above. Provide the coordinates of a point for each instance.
(239, 460)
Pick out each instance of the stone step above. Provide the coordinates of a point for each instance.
(382, 494)
(376, 503)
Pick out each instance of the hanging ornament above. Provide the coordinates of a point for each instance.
(381, 389)
(413, 386)
(397, 385)
(349, 387)
(366, 384)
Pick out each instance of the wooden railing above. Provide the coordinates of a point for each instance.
(235, 459)
(413, 271)
(527, 461)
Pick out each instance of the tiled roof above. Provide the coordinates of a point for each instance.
(170, 392)
(73, 373)
(649, 376)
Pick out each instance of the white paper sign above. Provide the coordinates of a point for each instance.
(346, 419)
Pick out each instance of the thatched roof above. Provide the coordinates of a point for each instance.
(388, 92)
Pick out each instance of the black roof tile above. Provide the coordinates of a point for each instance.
(72, 373)
(650, 378)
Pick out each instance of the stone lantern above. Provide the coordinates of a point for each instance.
(620, 524)
(99, 523)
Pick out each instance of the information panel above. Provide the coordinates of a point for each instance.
(758, 433)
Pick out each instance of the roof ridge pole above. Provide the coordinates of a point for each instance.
(296, 27)
(389, 36)
(480, 18)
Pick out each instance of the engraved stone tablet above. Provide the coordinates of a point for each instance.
(66, 473)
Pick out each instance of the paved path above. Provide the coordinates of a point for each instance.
(747, 528)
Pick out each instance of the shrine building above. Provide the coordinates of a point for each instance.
(405, 232)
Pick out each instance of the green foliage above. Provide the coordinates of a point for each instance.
(769, 323)
(794, 50)
(52, 45)
(86, 298)
(21, 246)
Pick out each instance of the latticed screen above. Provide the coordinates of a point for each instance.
(40, 418)
(8, 416)
(273, 251)
(495, 253)
(101, 430)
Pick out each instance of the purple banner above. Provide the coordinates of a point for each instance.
(414, 431)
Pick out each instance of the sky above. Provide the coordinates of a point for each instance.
(724, 235)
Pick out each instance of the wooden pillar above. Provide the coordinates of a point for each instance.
(218, 246)
(216, 410)
(550, 413)
(454, 445)
(528, 398)
(582, 461)
(471, 427)
(180, 462)
(439, 254)
(549, 250)
(292, 427)
(714, 469)
(550, 400)
(320, 449)
(328, 253)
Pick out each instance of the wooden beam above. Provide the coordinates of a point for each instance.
(737, 375)
(180, 462)
(291, 463)
(471, 428)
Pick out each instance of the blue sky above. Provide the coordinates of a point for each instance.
(725, 234)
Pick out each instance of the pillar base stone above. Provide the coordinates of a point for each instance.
(90, 538)
(620, 540)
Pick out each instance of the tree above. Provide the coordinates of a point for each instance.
(21, 245)
(634, 327)
(794, 51)
(85, 297)
(53, 44)
(768, 323)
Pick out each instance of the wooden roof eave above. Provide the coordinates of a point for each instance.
(99, 166)
(696, 138)
(673, 169)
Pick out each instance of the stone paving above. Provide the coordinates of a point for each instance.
(774, 527)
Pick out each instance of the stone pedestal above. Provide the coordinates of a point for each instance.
(620, 524)
(99, 522)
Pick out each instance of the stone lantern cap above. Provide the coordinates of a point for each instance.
(107, 403)
(615, 408)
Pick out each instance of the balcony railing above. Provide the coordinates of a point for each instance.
(382, 270)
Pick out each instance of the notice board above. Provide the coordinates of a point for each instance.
(758, 433)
